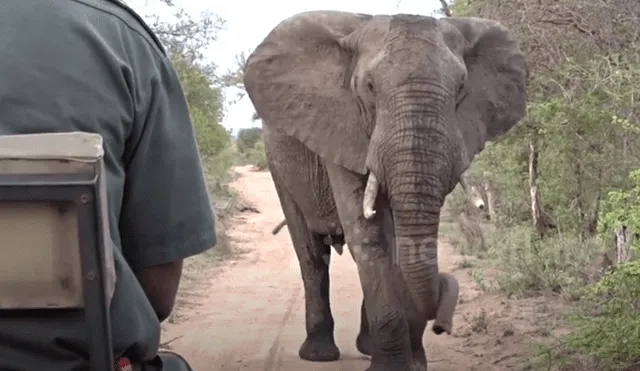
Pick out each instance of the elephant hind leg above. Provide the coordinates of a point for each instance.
(313, 257)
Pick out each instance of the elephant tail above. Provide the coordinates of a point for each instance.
(279, 227)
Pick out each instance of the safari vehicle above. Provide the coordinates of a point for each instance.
(56, 182)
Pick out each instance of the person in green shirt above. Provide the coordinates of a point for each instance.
(94, 66)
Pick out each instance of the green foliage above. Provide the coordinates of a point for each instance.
(530, 265)
(206, 101)
(247, 138)
(464, 8)
(218, 175)
(587, 115)
(583, 120)
(205, 105)
(455, 203)
(579, 134)
(609, 330)
(253, 156)
(621, 208)
(608, 327)
(256, 156)
(505, 162)
(188, 35)
(188, 40)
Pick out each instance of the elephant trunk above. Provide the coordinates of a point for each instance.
(435, 294)
(417, 178)
(449, 291)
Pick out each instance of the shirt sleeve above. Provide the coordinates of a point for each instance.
(166, 211)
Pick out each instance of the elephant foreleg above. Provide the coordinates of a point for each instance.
(388, 326)
(313, 257)
(417, 324)
(415, 320)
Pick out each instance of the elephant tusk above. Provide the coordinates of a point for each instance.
(370, 194)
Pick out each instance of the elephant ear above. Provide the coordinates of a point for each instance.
(298, 80)
(494, 96)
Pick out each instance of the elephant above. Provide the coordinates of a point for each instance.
(369, 121)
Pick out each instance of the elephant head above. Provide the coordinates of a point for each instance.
(406, 100)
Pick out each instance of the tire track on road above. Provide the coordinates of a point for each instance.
(276, 350)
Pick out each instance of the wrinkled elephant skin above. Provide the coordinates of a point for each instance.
(368, 123)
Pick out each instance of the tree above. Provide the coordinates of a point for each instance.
(186, 39)
(583, 61)
(248, 138)
(582, 137)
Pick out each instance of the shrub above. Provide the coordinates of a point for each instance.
(530, 265)
(607, 326)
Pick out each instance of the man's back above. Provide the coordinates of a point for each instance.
(91, 65)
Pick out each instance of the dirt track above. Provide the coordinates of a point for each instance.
(250, 314)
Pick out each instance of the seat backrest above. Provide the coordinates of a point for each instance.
(55, 250)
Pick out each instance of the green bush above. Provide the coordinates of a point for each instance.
(205, 104)
(530, 265)
(205, 98)
(607, 327)
(454, 204)
(248, 139)
(253, 156)
(217, 173)
(257, 157)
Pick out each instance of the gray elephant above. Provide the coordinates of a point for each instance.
(368, 123)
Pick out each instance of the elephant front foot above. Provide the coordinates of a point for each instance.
(418, 363)
(363, 343)
(319, 349)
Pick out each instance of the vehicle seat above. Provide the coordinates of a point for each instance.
(54, 234)
(173, 362)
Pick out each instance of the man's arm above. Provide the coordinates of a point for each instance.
(160, 283)
(166, 214)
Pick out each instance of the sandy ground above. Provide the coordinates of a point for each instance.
(249, 313)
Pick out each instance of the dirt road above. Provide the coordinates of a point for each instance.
(250, 315)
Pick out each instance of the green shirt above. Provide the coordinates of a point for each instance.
(93, 65)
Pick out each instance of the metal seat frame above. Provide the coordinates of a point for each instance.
(80, 189)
